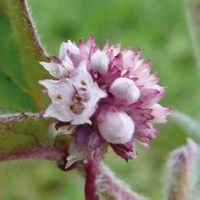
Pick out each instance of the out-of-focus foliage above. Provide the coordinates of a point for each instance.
(192, 8)
(157, 27)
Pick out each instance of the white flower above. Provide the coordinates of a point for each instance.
(115, 126)
(73, 99)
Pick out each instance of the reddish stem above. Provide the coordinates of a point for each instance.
(42, 152)
(111, 187)
(90, 190)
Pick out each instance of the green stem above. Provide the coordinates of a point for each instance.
(190, 16)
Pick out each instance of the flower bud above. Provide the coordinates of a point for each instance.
(70, 48)
(99, 62)
(125, 88)
(182, 172)
(115, 127)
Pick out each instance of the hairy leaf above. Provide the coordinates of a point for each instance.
(20, 52)
(24, 136)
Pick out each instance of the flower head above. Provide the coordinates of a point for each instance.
(110, 93)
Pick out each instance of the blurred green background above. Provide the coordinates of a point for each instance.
(159, 28)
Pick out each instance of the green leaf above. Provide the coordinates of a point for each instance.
(11, 94)
(12, 97)
(24, 136)
(20, 52)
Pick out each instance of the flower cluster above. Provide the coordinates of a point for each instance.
(105, 97)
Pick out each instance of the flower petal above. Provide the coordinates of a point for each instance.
(72, 51)
(93, 91)
(61, 93)
(58, 111)
(159, 113)
(90, 107)
(59, 70)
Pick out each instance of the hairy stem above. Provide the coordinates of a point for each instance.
(190, 16)
(19, 116)
(182, 173)
(43, 152)
(91, 167)
(112, 188)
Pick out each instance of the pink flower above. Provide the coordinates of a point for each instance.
(110, 93)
